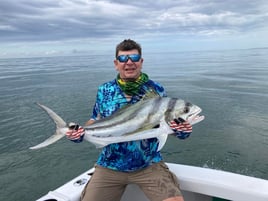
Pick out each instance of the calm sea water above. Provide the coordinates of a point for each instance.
(230, 86)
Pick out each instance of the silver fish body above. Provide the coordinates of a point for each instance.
(143, 115)
(133, 122)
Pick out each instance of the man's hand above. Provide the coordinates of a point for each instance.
(75, 132)
(182, 129)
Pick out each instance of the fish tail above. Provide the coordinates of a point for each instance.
(61, 126)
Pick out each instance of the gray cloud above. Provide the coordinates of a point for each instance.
(50, 20)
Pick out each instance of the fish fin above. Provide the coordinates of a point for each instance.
(60, 123)
(150, 93)
(49, 141)
(162, 141)
(61, 127)
(165, 130)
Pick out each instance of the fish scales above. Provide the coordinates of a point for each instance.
(119, 116)
(141, 116)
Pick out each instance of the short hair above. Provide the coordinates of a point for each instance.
(126, 45)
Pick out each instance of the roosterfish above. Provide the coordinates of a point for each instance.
(143, 120)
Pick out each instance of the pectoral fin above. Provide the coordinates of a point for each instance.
(162, 141)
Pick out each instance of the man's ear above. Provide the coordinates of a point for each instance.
(115, 64)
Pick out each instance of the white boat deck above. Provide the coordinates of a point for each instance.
(197, 184)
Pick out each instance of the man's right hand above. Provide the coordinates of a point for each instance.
(75, 132)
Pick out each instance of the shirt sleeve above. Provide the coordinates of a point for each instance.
(96, 110)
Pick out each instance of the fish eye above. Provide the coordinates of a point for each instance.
(186, 109)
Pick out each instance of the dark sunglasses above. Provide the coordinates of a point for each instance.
(132, 57)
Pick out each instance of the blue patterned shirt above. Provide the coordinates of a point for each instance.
(125, 156)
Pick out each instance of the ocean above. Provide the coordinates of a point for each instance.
(230, 86)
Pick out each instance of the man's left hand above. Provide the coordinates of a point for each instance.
(182, 129)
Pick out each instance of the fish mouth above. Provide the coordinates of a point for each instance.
(195, 117)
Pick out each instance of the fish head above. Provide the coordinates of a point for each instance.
(185, 111)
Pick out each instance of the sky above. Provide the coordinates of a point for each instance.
(31, 28)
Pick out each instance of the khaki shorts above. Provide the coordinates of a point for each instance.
(156, 181)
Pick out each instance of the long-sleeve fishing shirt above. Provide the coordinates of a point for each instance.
(125, 156)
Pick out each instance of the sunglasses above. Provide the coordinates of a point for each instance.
(132, 57)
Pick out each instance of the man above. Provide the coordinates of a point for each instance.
(136, 162)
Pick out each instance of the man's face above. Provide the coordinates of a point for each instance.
(128, 69)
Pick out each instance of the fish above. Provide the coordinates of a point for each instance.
(145, 119)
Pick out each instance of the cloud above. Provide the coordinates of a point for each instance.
(69, 20)
(56, 20)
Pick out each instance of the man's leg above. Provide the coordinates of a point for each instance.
(105, 184)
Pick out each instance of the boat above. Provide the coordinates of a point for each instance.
(196, 183)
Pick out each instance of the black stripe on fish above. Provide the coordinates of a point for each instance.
(170, 108)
